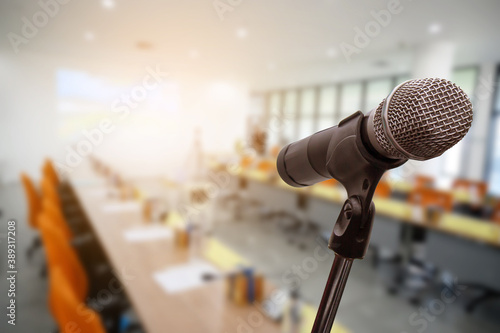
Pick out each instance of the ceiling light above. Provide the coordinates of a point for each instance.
(193, 54)
(241, 33)
(89, 36)
(109, 4)
(435, 28)
(331, 52)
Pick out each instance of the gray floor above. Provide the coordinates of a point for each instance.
(31, 296)
(366, 307)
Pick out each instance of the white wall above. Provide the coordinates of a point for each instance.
(148, 142)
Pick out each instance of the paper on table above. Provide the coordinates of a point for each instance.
(102, 192)
(124, 206)
(89, 181)
(184, 277)
(148, 233)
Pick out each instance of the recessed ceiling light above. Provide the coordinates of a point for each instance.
(241, 33)
(331, 52)
(109, 4)
(435, 28)
(193, 54)
(89, 36)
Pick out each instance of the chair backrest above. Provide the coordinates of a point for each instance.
(49, 190)
(496, 213)
(246, 161)
(70, 312)
(33, 199)
(383, 189)
(330, 182)
(53, 210)
(49, 170)
(422, 181)
(431, 197)
(60, 254)
(266, 166)
(480, 187)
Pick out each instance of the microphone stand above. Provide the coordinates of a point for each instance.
(349, 240)
(359, 172)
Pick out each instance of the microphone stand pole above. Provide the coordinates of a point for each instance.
(349, 240)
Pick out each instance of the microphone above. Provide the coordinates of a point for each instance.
(420, 120)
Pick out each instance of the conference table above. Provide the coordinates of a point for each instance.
(205, 308)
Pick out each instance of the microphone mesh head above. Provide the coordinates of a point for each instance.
(423, 118)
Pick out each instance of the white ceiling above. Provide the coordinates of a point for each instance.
(282, 36)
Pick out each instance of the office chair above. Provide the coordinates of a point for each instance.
(417, 274)
(61, 255)
(496, 213)
(34, 206)
(239, 197)
(473, 202)
(423, 181)
(70, 313)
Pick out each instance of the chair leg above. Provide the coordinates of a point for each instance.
(43, 271)
(487, 295)
(35, 244)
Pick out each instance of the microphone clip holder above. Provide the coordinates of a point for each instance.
(360, 171)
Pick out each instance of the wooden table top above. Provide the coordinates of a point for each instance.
(204, 309)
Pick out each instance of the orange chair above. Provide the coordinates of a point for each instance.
(274, 151)
(60, 254)
(430, 197)
(49, 171)
(246, 161)
(422, 181)
(49, 191)
(330, 182)
(33, 198)
(496, 213)
(70, 313)
(480, 187)
(53, 211)
(383, 189)
(266, 166)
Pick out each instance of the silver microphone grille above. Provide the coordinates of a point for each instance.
(423, 118)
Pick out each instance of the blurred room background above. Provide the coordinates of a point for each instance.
(141, 137)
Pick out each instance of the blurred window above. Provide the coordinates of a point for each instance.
(465, 78)
(327, 113)
(351, 99)
(494, 167)
(274, 104)
(376, 91)
(289, 117)
(400, 79)
(307, 112)
(274, 112)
